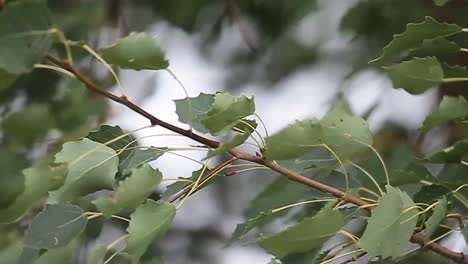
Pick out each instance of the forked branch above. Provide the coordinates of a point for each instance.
(417, 237)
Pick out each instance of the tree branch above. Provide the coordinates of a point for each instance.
(237, 154)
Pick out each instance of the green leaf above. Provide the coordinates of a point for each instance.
(439, 47)
(132, 156)
(465, 233)
(92, 167)
(24, 38)
(97, 254)
(200, 107)
(55, 227)
(417, 75)
(430, 193)
(226, 112)
(137, 51)
(243, 130)
(390, 227)
(24, 127)
(440, 211)
(454, 71)
(244, 228)
(11, 177)
(440, 2)
(132, 191)
(338, 129)
(311, 257)
(453, 154)
(310, 233)
(413, 37)
(6, 79)
(149, 222)
(39, 179)
(179, 186)
(450, 108)
(64, 254)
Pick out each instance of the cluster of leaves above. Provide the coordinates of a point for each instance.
(106, 173)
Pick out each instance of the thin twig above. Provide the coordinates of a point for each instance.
(237, 154)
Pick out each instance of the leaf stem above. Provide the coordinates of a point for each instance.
(99, 58)
(189, 100)
(301, 203)
(50, 67)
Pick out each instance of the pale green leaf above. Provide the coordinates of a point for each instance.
(390, 226)
(200, 106)
(450, 108)
(339, 130)
(441, 2)
(226, 111)
(310, 233)
(24, 38)
(438, 215)
(414, 35)
(138, 51)
(39, 179)
(149, 222)
(91, 167)
(132, 191)
(465, 233)
(417, 75)
(55, 227)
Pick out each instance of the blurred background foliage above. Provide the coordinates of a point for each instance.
(40, 111)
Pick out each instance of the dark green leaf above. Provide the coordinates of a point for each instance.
(414, 35)
(149, 222)
(91, 167)
(453, 154)
(243, 130)
(55, 227)
(390, 227)
(132, 191)
(141, 156)
(11, 252)
(39, 179)
(339, 130)
(439, 47)
(24, 37)
(417, 75)
(11, 177)
(200, 106)
(24, 127)
(226, 111)
(130, 156)
(137, 51)
(430, 193)
(465, 233)
(311, 257)
(310, 233)
(450, 108)
(440, 211)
